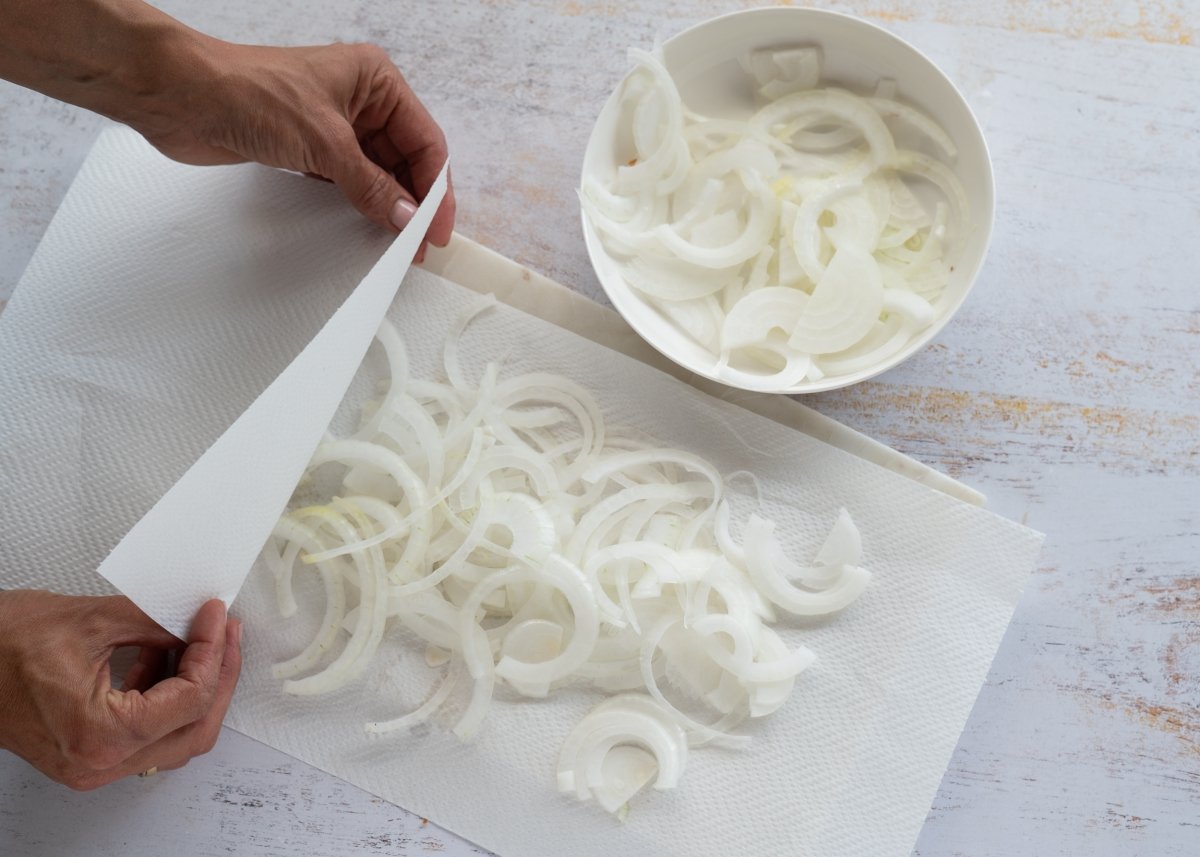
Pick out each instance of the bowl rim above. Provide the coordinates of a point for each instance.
(985, 223)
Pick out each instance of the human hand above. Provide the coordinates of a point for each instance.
(59, 712)
(338, 112)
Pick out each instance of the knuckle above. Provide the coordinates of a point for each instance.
(203, 697)
(203, 743)
(332, 144)
(78, 782)
(370, 53)
(378, 192)
(232, 665)
(91, 753)
(131, 719)
(77, 778)
(80, 750)
(208, 696)
(327, 137)
(437, 151)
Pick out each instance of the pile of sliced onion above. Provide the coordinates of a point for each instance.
(525, 542)
(789, 245)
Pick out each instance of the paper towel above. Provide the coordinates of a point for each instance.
(122, 362)
(199, 539)
(119, 374)
(849, 766)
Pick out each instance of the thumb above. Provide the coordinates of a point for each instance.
(370, 188)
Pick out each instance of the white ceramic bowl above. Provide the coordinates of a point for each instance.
(703, 61)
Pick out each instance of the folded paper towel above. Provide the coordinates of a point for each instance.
(144, 328)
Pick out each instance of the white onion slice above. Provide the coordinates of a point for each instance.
(893, 334)
(650, 643)
(771, 582)
(741, 661)
(335, 603)
(422, 713)
(760, 221)
(759, 312)
(671, 279)
(846, 302)
(919, 164)
(651, 167)
(843, 545)
(623, 720)
(368, 630)
(914, 117)
(568, 579)
(795, 368)
(845, 106)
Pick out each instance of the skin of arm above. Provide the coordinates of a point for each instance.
(339, 112)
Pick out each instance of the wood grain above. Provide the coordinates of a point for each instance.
(1068, 390)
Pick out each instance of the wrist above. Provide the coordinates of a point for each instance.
(171, 68)
(121, 58)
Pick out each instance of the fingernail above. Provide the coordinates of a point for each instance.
(237, 631)
(402, 213)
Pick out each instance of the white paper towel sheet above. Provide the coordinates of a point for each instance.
(273, 439)
(161, 302)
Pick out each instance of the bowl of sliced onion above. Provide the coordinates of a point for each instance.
(786, 200)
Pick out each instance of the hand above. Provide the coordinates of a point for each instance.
(59, 712)
(339, 112)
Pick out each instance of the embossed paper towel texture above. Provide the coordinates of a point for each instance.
(199, 538)
(848, 767)
(162, 300)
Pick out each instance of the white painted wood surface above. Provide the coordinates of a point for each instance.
(1068, 389)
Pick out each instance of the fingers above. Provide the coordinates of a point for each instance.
(175, 749)
(404, 136)
(380, 149)
(184, 698)
(199, 737)
(146, 671)
(414, 134)
(370, 188)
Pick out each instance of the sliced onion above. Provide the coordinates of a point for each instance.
(671, 279)
(836, 103)
(715, 209)
(759, 312)
(335, 603)
(419, 715)
(629, 719)
(702, 731)
(541, 547)
(368, 630)
(771, 582)
(846, 302)
(934, 171)
(648, 173)
(762, 215)
(891, 108)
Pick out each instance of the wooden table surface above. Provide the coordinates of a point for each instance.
(1068, 390)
